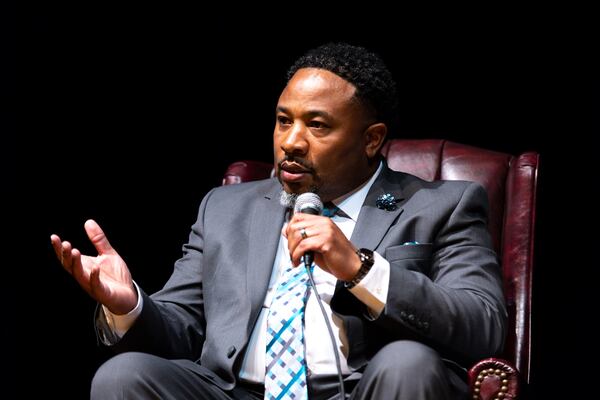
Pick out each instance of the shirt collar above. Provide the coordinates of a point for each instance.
(351, 202)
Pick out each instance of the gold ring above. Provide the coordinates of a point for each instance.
(303, 233)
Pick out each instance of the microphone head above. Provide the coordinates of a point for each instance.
(308, 203)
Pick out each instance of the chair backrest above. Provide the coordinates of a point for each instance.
(511, 184)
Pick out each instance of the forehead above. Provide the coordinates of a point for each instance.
(318, 88)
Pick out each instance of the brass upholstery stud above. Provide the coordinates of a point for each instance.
(501, 394)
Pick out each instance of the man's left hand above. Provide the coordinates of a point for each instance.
(333, 252)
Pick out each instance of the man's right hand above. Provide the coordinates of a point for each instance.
(105, 277)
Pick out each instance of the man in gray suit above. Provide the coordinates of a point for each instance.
(404, 268)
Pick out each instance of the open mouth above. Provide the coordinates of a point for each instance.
(293, 172)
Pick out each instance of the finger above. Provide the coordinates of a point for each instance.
(301, 217)
(77, 269)
(318, 239)
(96, 286)
(305, 245)
(294, 237)
(303, 232)
(308, 217)
(98, 238)
(56, 245)
(66, 256)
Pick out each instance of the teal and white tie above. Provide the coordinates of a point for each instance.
(285, 376)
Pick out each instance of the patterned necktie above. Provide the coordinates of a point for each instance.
(331, 210)
(285, 376)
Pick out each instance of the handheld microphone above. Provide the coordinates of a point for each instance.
(308, 203)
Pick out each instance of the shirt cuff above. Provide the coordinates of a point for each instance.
(120, 324)
(372, 290)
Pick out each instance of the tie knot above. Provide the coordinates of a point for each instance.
(330, 209)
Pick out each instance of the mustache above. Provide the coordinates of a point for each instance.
(289, 158)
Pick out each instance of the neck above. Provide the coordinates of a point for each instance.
(369, 172)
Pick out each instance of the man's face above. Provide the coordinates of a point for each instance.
(319, 138)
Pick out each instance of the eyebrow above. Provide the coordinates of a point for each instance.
(309, 113)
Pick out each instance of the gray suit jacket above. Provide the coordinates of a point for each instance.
(445, 292)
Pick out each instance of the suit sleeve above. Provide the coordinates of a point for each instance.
(448, 293)
(172, 322)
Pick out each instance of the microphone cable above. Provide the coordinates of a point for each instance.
(331, 335)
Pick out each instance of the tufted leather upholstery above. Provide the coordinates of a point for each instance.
(248, 170)
(511, 184)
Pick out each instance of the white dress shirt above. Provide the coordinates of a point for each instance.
(372, 291)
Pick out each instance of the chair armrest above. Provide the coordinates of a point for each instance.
(493, 378)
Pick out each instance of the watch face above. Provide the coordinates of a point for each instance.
(366, 255)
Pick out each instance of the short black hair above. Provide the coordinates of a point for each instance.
(375, 87)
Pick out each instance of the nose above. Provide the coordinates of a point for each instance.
(294, 140)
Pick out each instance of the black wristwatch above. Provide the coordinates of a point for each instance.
(366, 262)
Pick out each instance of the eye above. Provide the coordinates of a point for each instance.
(283, 120)
(317, 125)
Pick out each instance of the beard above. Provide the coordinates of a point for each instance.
(289, 199)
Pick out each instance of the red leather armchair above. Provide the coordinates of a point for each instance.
(511, 183)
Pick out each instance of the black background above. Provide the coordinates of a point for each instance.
(129, 114)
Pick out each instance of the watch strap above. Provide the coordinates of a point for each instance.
(366, 262)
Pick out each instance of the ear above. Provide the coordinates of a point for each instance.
(374, 137)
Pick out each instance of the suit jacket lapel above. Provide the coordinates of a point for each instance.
(265, 230)
(373, 223)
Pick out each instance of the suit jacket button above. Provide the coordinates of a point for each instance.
(411, 318)
(231, 351)
(402, 315)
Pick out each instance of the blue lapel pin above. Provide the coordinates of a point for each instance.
(386, 202)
